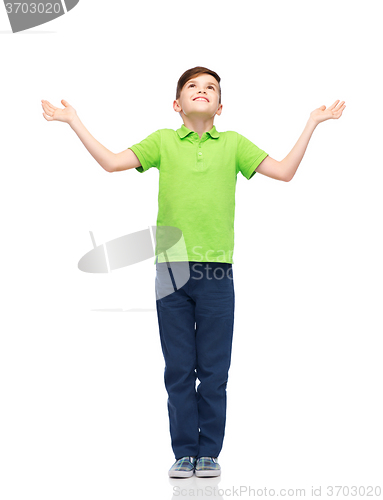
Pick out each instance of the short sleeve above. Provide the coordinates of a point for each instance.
(249, 156)
(148, 151)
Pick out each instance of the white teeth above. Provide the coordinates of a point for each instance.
(200, 99)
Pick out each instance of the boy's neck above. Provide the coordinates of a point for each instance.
(199, 126)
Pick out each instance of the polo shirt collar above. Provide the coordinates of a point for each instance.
(184, 131)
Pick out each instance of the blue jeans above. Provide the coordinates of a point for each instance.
(196, 325)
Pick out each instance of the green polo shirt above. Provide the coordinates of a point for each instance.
(197, 181)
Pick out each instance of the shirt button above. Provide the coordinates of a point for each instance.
(200, 154)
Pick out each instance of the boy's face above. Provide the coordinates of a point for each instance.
(199, 98)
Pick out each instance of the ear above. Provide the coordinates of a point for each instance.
(176, 106)
(219, 110)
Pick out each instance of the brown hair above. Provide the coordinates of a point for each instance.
(190, 73)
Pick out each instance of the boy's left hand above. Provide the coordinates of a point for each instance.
(334, 111)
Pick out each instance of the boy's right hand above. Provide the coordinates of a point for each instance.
(109, 161)
(65, 115)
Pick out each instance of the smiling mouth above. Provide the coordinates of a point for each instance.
(201, 99)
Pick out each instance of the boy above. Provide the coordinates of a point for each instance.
(198, 171)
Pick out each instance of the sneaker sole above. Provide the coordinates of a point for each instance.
(181, 473)
(207, 473)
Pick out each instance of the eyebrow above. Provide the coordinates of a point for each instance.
(209, 83)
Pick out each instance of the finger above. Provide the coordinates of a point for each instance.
(47, 102)
(340, 109)
(45, 107)
(48, 118)
(48, 107)
(65, 103)
(333, 105)
(338, 112)
(51, 107)
(48, 111)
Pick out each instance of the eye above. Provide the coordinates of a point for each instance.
(211, 86)
(191, 84)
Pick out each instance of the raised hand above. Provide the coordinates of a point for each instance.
(65, 115)
(334, 111)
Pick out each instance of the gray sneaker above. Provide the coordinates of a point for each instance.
(183, 467)
(207, 467)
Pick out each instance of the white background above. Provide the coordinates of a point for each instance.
(83, 403)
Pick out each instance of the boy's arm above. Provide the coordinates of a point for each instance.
(109, 161)
(285, 170)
